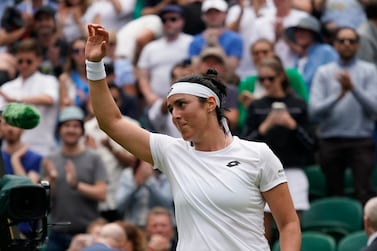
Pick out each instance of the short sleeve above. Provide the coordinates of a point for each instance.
(272, 171)
(160, 144)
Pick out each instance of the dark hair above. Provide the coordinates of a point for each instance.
(276, 64)
(339, 29)
(59, 125)
(12, 19)
(112, 86)
(210, 79)
(181, 64)
(370, 8)
(70, 64)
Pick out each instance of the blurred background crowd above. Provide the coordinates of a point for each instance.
(301, 76)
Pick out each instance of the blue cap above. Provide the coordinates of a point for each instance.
(171, 8)
(71, 113)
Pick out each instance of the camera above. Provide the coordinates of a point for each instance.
(23, 205)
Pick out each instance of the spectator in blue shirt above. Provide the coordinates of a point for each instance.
(305, 40)
(343, 101)
(17, 157)
(214, 15)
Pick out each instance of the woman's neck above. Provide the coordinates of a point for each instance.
(278, 94)
(212, 141)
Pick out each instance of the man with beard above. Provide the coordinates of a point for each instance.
(78, 181)
(343, 101)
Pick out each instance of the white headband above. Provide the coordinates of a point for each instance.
(193, 89)
(199, 91)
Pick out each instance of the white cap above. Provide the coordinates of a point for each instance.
(219, 5)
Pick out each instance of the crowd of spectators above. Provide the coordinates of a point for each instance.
(317, 57)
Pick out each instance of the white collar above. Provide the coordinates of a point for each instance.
(372, 238)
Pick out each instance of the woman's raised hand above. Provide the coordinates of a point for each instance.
(96, 44)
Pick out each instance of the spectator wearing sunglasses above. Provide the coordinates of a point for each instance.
(250, 88)
(73, 88)
(158, 57)
(343, 101)
(280, 119)
(37, 89)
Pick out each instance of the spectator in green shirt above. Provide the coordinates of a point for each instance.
(250, 88)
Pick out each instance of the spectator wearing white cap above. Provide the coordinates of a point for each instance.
(214, 15)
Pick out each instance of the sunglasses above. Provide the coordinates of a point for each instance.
(78, 50)
(268, 78)
(170, 19)
(264, 52)
(349, 40)
(27, 61)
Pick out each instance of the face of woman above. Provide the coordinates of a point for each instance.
(270, 80)
(261, 50)
(78, 52)
(189, 115)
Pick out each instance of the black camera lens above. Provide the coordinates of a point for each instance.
(27, 202)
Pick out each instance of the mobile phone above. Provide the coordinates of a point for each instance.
(278, 106)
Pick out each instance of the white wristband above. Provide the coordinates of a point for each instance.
(95, 70)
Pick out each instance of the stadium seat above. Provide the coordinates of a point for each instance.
(353, 241)
(337, 216)
(317, 182)
(313, 241)
(349, 188)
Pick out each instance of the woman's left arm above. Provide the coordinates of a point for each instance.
(286, 218)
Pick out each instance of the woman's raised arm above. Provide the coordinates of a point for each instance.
(130, 136)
